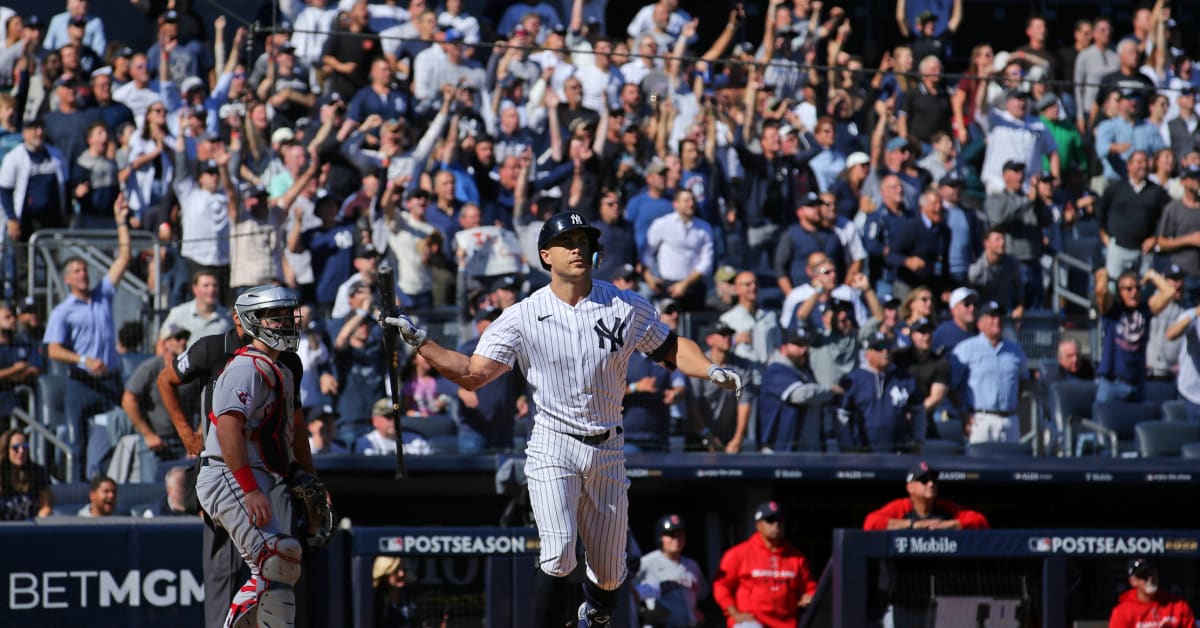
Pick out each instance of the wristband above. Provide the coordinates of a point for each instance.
(633, 385)
(1192, 315)
(362, 312)
(83, 362)
(245, 479)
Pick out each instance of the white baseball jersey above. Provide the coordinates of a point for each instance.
(575, 358)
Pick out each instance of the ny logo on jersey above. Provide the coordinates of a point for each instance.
(614, 334)
(899, 396)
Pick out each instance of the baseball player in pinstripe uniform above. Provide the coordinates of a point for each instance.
(573, 340)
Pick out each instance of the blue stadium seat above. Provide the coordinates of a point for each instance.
(1174, 410)
(1165, 439)
(1158, 392)
(937, 446)
(1113, 422)
(999, 450)
(951, 431)
(1070, 402)
(52, 390)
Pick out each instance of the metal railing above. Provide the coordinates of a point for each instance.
(51, 246)
(1062, 292)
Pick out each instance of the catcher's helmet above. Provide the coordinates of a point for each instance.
(564, 222)
(253, 309)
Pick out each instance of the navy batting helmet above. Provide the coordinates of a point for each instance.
(564, 222)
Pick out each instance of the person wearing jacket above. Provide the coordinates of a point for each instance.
(791, 402)
(764, 580)
(1144, 605)
(922, 509)
(883, 411)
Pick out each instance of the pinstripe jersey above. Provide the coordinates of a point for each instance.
(575, 358)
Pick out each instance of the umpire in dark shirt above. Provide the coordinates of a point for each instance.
(919, 249)
(1128, 214)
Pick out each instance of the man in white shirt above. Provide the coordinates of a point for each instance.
(204, 213)
(465, 23)
(203, 315)
(601, 81)
(644, 20)
(679, 253)
(312, 27)
(381, 440)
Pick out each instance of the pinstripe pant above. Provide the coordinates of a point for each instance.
(579, 490)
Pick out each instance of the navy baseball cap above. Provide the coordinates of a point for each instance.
(1140, 568)
(991, 308)
(1016, 92)
(1190, 172)
(768, 511)
(210, 166)
(878, 341)
(320, 412)
(1013, 164)
(797, 336)
(628, 272)
(718, 328)
(669, 524)
(951, 179)
(921, 472)
(889, 302)
(1174, 271)
(923, 325)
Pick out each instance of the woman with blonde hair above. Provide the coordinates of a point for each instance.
(391, 578)
(918, 304)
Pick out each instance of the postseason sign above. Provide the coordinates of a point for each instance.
(1035, 543)
(445, 541)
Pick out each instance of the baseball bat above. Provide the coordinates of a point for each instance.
(385, 283)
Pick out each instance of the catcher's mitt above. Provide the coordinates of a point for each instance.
(314, 513)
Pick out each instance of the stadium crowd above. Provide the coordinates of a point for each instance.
(860, 241)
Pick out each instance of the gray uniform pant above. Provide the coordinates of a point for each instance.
(225, 571)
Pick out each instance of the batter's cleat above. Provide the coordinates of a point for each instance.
(591, 618)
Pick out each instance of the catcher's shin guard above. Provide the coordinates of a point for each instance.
(279, 569)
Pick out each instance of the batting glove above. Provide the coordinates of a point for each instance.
(409, 332)
(725, 378)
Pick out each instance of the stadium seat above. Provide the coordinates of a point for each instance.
(1174, 410)
(1190, 450)
(951, 431)
(937, 446)
(1070, 402)
(52, 389)
(1112, 425)
(999, 450)
(1159, 392)
(1165, 439)
(439, 430)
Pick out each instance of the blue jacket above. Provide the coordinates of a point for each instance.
(883, 408)
(790, 406)
(912, 238)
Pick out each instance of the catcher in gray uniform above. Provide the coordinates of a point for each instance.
(249, 452)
